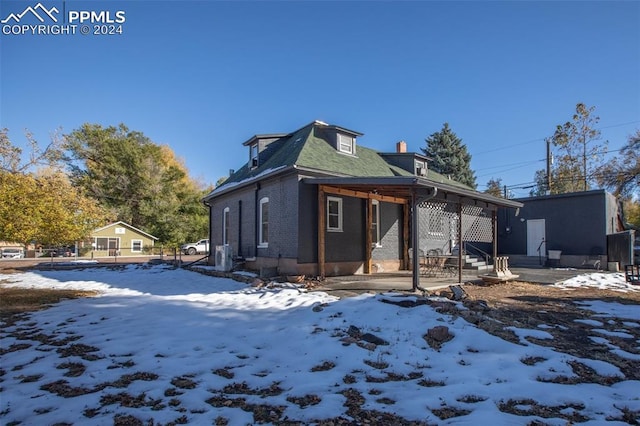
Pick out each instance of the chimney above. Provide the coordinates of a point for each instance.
(401, 146)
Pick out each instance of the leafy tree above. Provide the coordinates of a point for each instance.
(576, 156)
(631, 210)
(449, 156)
(621, 175)
(11, 156)
(494, 187)
(142, 183)
(65, 214)
(41, 206)
(221, 180)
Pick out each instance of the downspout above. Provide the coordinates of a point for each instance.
(240, 228)
(206, 203)
(414, 236)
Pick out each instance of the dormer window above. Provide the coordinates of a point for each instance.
(257, 144)
(346, 144)
(253, 155)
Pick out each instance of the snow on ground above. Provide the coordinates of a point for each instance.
(600, 280)
(168, 346)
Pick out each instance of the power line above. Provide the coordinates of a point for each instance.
(501, 148)
(516, 166)
(524, 163)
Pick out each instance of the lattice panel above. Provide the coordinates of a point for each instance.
(438, 221)
(476, 225)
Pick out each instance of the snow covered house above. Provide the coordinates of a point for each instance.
(314, 202)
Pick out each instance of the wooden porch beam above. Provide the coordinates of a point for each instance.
(362, 194)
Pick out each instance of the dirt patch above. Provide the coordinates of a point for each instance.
(17, 300)
(498, 308)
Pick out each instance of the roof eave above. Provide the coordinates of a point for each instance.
(232, 186)
(415, 182)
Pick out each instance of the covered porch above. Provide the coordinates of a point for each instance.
(453, 214)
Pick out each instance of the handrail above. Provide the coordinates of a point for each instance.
(539, 253)
(486, 255)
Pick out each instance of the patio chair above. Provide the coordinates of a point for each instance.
(450, 267)
(423, 262)
(632, 274)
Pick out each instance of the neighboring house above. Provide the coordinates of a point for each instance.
(573, 226)
(314, 202)
(120, 239)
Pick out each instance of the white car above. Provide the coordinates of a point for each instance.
(200, 247)
(12, 253)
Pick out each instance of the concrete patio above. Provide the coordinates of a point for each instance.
(401, 281)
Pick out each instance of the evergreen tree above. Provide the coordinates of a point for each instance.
(449, 156)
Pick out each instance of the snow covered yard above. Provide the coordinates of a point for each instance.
(168, 346)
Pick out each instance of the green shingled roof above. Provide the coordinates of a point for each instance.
(305, 149)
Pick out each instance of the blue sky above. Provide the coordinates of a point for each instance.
(204, 76)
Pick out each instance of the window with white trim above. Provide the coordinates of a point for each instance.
(334, 214)
(375, 223)
(136, 246)
(225, 225)
(263, 224)
(346, 144)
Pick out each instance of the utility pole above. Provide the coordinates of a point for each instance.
(549, 161)
(584, 159)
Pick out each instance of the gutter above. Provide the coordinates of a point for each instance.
(232, 186)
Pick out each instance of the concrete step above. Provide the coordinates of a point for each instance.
(470, 262)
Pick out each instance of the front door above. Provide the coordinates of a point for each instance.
(113, 246)
(536, 237)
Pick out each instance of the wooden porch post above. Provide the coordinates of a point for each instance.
(321, 230)
(368, 240)
(415, 277)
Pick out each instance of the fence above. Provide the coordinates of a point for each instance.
(113, 254)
